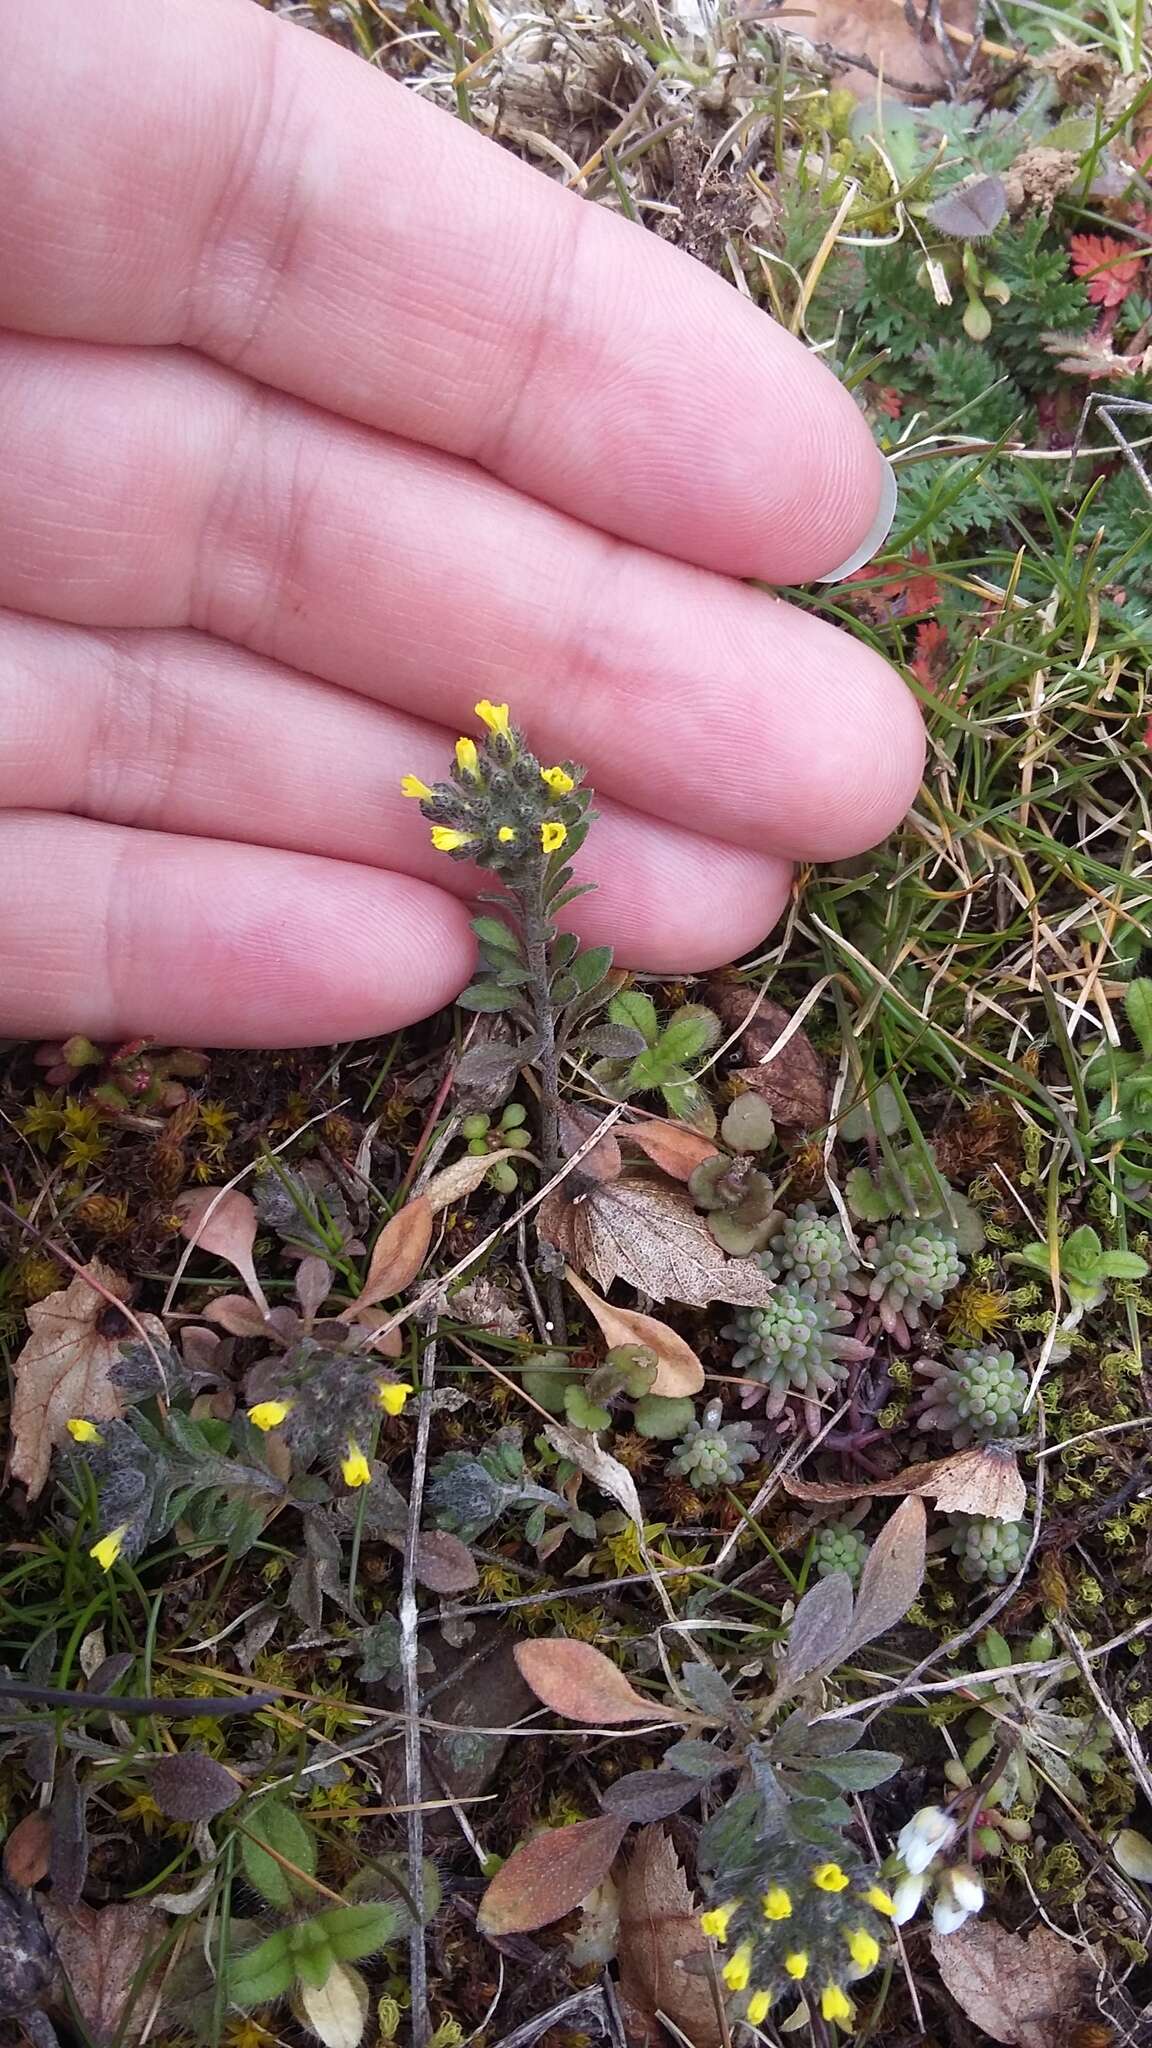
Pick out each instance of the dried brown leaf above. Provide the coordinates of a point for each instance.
(580, 1682)
(224, 1222)
(984, 1480)
(397, 1255)
(193, 1787)
(549, 1875)
(100, 1951)
(64, 1368)
(678, 1370)
(892, 1576)
(1022, 1992)
(793, 1080)
(237, 1314)
(456, 1182)
(605, 1160)
(659, 1930)
(443, 1563)
(648, 1234)
(28, 1850)
(675, 1148)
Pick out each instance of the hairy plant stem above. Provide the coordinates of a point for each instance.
(539, 990)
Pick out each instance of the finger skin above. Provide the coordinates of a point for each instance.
(201, 172)
(148, 487)
(125, 934)
(175, 732)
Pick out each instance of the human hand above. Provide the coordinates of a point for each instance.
(324, 418)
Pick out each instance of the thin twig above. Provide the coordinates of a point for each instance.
(409, 1649)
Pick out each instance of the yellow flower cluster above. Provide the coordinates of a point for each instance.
(777, 1904)
(452, 838)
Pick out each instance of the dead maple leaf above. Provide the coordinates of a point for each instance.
(64, 1368)
(100, 1950)
(984, 1480)
(1020, 1992)
(678, 1370)
(659, 1930)
(792, 1080)
(648, 1234)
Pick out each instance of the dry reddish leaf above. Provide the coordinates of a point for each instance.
(223, 1222)
(984, 1480)
(397, 1255)
(237, 1314)
(100, 1950)
(456, 1182)
(879, 31)
(580, 1682)
(549, 1875)
(793, 1083)
(678, 1370)
(648, 1234)
(604, 1161)
(675, 1148)
(659, 1930)
(443, 1563)
(28, 1850)
(64, 1367)
(1020, 1992)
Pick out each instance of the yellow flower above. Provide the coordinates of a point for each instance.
(354, 1468)
(834, 2005)
(738, 1969)
(864, 1949)
(828, 1877)
(269, 1414)
(552, 836)
(393, 1394)
(756, 2011)
(446, 839)
(82, 1432)
(506, 835)
(797, 1964)
(879, 1900)
(558, 779)
(109, 1547)
(716, 1920)
(467, 759)
(495, 716)
(777, 1904)
(412, 786)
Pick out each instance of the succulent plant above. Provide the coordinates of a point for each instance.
(980, 1395)
(987, 1549)
(748, 1124)
(793, 1344)
(482, 1136)
(713, 1452)
(914, 1265)
(738, 1200)
(812, 1250)
(839, 1549)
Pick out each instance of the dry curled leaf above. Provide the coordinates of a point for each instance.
(580, 1682)
(456, 1182)
(659, 1930)
(100, 1950)
(675, 1148)
(984, 1480)
(1022, 1992)
(549, 1875)
(397, 1255)
(648, 1234)
(791, 1077)
(224, 1222)
(678, 1370)
(65, 1367)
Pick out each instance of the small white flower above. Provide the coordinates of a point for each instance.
(924, 1837)
(966, 1887)
(947, 1917)
(906, 1897)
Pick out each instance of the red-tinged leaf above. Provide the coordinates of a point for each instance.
(101, 1951)
(237, 1314)
(223, 1222)
(1016, 1990)
(65, 1368)
(604, 1161)
(678, 1370)
(790, 1076)
(397, 1255)
(659, 1936)
(28, 1850)
(580, 1682)
(443, 1563)
(1109, 268)
(549, 1875)
(675, 1148)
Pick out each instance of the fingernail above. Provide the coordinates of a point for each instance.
(877, 533)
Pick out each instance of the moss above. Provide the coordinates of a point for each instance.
(1061, 1873)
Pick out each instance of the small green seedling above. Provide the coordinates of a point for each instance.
(1124, 1079)
(659, 1063)
(1085, 1267)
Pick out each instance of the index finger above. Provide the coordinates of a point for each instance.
(201, 172)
